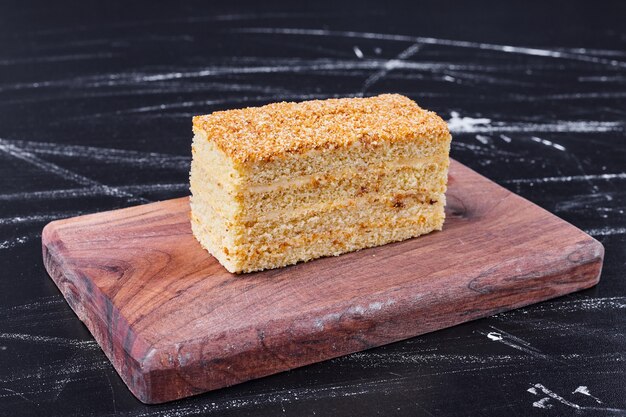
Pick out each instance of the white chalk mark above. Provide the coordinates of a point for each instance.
(522, 50)
(44, 165)
(585, 391)
(43, 375)
(248, 99)
(568, 178)
(495, 336)
(87, 89)
(11, 243)
(42, 303)
(573, 96)
(375, 360)
(543, 403)
(505, 138)
(459, 124)
(603, 78)
(49, 167)
(287, 396)
(106, 374)
(560, 126)
(357, 52)
(58, 58)
(265, 69)
(109, 155)
(170, 81)
(390, 66)
(115, 79)
(586, 304)
(548, 143)
(70, 193)
(514, 342)
(483, 139)
(19, 394)
(457, 76)
(60, 387)
(89, 344)
(606, 231)
(554, 396)
(4, 221)
(593, 51)
(587, 202)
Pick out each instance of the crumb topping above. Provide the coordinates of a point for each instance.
(277, 129)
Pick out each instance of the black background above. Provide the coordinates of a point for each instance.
(95, 108)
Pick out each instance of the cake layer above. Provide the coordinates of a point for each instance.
(237, 239)
(425, 177)
(401, 199)
(318, 236)
(356, 156)
(275, 131)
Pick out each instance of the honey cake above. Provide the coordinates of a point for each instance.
(288, 182)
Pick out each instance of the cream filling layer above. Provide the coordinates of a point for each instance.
(307, 179)
(391, 201)
(303, 180)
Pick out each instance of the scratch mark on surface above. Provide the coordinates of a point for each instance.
(543, 403)
(343, 390)
(11, 243)
(554, 396)
(390, 66)
(522, 50)
(495, 336)
(466, 124)
(606, 231)
(60, 388)
(87, 344)
(64, 173)
(69, 193)
(42, 302)
(19, 394)
(484, 125)
(113, 400)
(58, 58)
(584, 304)
(187, 104)
(514, 342)
(568, 178)
(110, 155)
(585, 391)
(38, 217)
(548, 143)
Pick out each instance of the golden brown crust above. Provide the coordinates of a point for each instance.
(264, 133)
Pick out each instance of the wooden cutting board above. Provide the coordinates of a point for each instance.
(175, 323)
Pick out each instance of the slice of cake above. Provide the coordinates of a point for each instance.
(290, 182)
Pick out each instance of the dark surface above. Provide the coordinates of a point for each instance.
(127, 79)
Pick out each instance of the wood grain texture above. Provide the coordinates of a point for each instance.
(175, 323)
